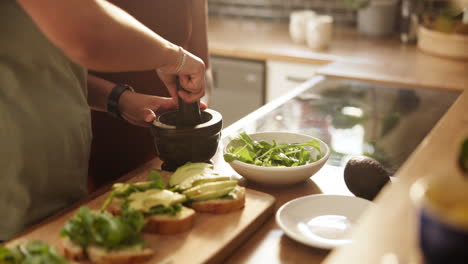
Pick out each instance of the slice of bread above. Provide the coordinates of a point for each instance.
(163, 224)
(72, 251)
(99, 255)
(170, 224)
(221, 206)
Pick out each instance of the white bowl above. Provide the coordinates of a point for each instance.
(280, 175)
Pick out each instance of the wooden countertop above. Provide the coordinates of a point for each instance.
(260, 40)
(353, 56)
(388, 229)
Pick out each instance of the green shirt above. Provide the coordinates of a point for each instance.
(45, 128)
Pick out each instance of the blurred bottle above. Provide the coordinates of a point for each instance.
(410, 11)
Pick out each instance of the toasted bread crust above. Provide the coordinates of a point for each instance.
(166, 225)
(99, 255)
(221, 206)
(72, 251)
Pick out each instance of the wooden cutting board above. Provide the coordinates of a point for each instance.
(212, 238)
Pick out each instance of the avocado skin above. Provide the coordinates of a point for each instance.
(365, 177)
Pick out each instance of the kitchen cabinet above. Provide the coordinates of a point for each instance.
(284, 76)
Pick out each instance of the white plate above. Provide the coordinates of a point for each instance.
(322, 221)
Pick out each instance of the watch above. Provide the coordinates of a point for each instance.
(113, 100)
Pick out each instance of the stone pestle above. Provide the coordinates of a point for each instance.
(189, 114)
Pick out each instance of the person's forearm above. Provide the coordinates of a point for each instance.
(198, 43)
(98, 92)
(100, 36)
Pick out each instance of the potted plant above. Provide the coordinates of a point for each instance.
(375, 18)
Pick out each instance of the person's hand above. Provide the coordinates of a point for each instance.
(141, 109)
(191, 74)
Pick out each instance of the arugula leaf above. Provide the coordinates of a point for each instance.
(245, 149)
(157, 179)
(6, 256)
(102, 229)
(229, 157)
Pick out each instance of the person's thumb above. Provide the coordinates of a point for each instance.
(203, 106)
(149, 115)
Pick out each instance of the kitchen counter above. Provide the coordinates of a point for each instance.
(390, 227)
(353, 56)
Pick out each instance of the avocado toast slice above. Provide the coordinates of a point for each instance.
(34, 251)
(162, 208)
(206, 190)
(104, 238)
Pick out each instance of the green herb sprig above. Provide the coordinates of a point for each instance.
(262, 153)
(37, 252)
(102, 229)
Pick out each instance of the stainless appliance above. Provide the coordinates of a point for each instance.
(238, 87)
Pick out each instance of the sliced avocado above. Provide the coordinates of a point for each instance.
(211, 179)
(232, 195)
(211, 194)
(197, 180)
(143, 184)
(190, 170)
(122, 189)
(216, 189)
(144, 201)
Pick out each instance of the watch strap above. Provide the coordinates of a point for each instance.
(113, 100)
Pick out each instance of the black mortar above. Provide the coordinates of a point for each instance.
(186, 135)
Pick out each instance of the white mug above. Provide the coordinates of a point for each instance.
(297, 25)
(319, 32)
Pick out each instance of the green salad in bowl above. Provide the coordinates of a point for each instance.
(272, 154)
(276, 157)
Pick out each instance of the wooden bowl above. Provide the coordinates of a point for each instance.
(448, 45)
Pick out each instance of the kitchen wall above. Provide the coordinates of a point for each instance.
(279, 10)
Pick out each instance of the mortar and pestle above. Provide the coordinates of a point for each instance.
(186, 135)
